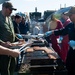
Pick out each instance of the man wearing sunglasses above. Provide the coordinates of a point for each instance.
(7, 37)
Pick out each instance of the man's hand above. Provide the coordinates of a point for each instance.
(19, 36)
(72, 43)
(21, 42)
(6, 44)
(48, 33)
(60, 39)
(15, 53)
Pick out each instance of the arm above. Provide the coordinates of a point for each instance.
(5, 44)
(7, 51)
(61, 31)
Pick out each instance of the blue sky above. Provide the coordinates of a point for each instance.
(42, 5)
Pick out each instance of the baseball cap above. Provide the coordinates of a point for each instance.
(71, 11)
(17, 16)
(8, 5)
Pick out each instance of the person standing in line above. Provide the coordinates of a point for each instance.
(7, 38)
(24, 26)
(65, 40)
(55, 24)
(70, 30)
(16, 22)
(36, 29)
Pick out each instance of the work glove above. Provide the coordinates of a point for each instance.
(48, 33)
(19, 36)
(60, 38)
(72, 43)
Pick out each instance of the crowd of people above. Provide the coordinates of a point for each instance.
(9, 28)
(69, 30)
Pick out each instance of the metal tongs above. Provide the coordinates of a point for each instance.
(25, 46)
(33, 36)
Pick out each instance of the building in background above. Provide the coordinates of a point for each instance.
(35, 15)
(48, 13)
